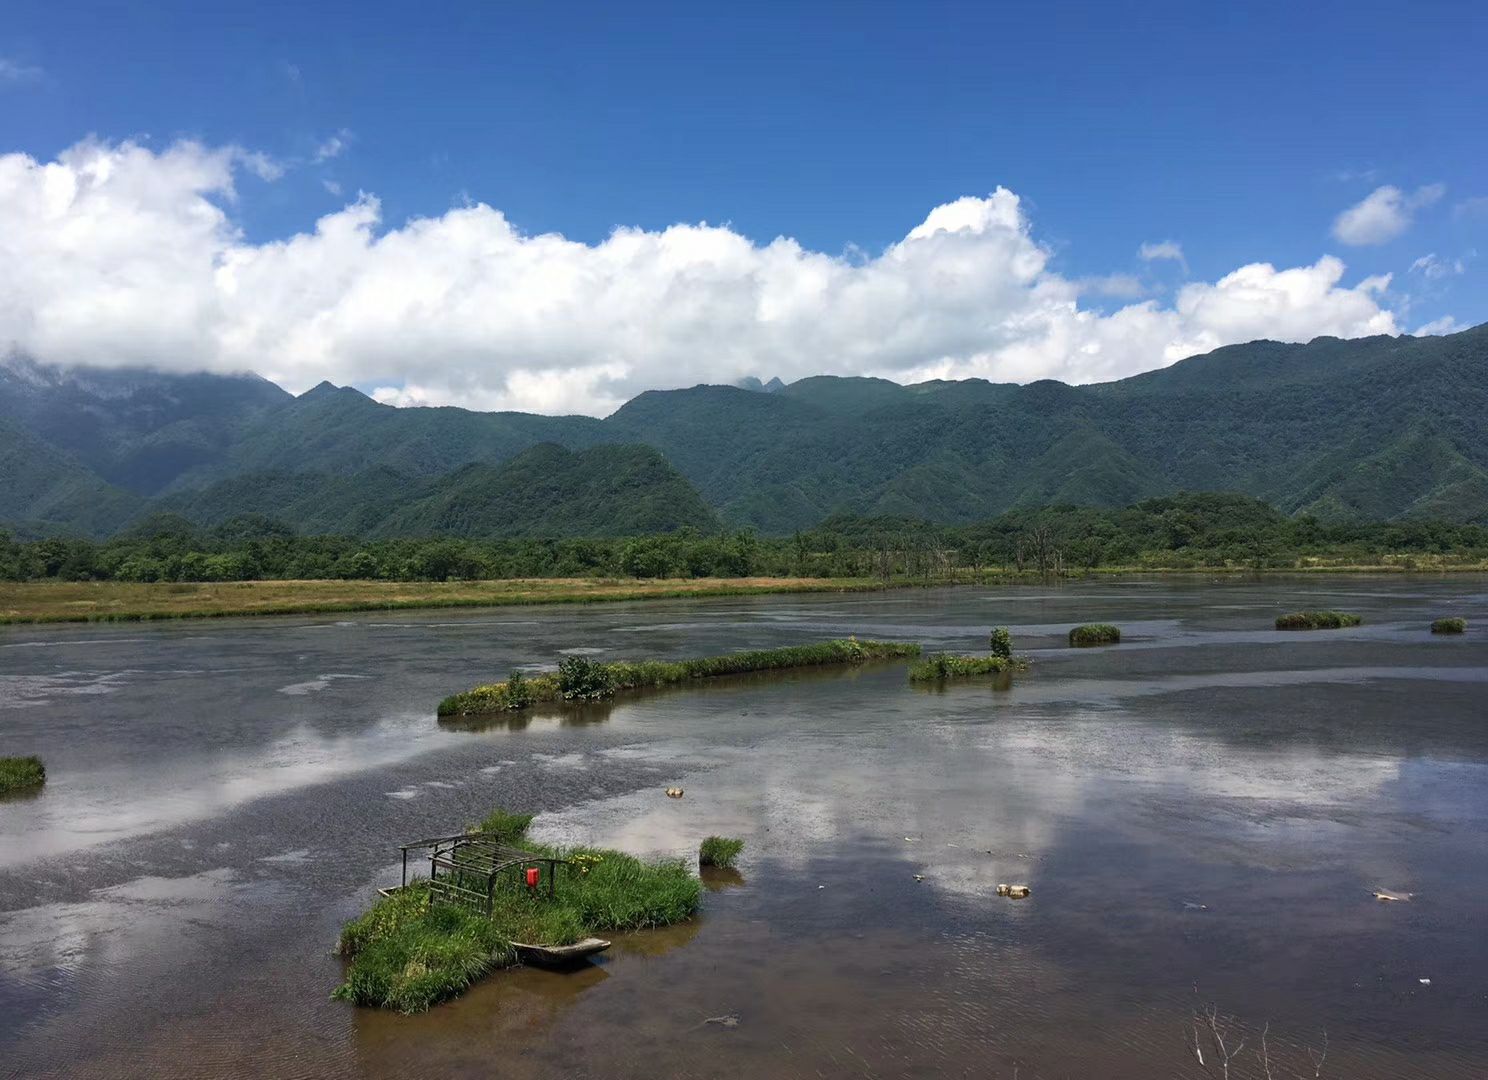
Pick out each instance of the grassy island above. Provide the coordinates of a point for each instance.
(1317, 620)
(579, 679)
(1454, 625)
(1095, 634)
(943, 666)
(21, 774)
(407, 953)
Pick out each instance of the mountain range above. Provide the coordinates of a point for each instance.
(1371, 428)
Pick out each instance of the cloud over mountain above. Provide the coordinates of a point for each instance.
(120, 254)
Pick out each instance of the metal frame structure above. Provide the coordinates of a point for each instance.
(467, 868)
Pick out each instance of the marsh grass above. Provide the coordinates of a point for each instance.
(719, 851)
(1453, 625)
(1317, 620)
(407, 954)
(591, 680)
(21, 774)
(946, 666)
(1095, 634)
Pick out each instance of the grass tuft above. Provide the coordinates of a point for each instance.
(1095, 634)
(1317, 620)
(719, 851)
(1453, 625)
(580, 679)
(21, 773)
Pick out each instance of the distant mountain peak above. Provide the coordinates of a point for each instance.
(751, 382)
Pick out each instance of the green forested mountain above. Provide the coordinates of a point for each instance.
(1377, 428)
(546, 490)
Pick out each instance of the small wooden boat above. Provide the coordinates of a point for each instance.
(555, 955)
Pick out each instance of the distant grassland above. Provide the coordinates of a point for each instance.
(108, 601)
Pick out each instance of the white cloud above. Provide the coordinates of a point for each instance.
(332, 186)
(1119, 286)
(1166, 249)
(1476, 207)
(13, 71)
(332, 147)
(1445, 325)
(1433, 268)
(1383, 214)
(117, 254)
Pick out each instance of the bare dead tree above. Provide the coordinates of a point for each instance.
(1209, 1022)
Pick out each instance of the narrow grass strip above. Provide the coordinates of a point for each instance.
(945, 666)
(590, 680)
(1317, 620)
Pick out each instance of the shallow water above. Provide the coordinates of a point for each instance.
(1201, 813)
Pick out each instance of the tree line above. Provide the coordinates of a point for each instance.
(1192, 531)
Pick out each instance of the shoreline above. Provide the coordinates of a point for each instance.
(44, 602)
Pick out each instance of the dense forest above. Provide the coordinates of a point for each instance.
(1374, 429)
(1177, 532)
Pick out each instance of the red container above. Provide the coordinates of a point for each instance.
(532, 875)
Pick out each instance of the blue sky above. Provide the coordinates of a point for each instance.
(1238, 132)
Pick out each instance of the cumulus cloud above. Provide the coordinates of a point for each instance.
(119, 254)
(1166, 249)
(1383, 214)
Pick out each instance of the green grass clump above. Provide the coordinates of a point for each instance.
(20, 773)
(504, 825)
(720, 851)
(408, 955)
(946, 666)
(1317, 620)
(1095, 634)
(1454, 625)
(582, 679)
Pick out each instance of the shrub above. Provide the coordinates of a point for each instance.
(1454, 625)
(1095, 634)
(720, 851)
(518, 693)
(1000, 642)
(1317, 620)
(20, 773)
(582, 679)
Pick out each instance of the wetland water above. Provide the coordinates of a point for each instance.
(1201, 812)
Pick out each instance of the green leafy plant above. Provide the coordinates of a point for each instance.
(1000, 642)
(1453, 625)
(582, 679)
(946, 666)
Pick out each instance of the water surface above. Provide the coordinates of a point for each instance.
(1201, 812)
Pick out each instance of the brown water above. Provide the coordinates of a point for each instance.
(1201, 813)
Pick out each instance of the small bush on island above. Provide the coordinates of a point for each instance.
(21, 774)
(408, 954)
(1453, 625)
(581, 679)
(1000, 642)
(1317, 620)
(1095, 634)
(719, 851)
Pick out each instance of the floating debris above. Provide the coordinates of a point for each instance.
(1013, 892)
(1194, 905)
(1392, 895)
(674, 793)
(1424, 982)
(919, 877)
